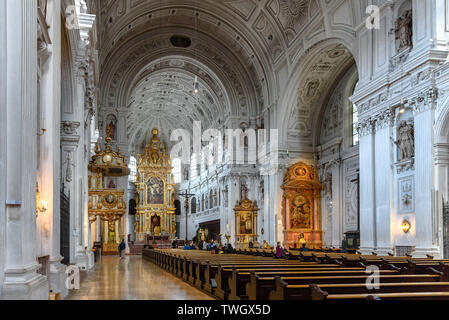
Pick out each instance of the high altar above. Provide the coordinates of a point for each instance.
(106, 203)
(154, 191)
(300, 207)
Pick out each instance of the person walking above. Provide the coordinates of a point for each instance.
(121, 247)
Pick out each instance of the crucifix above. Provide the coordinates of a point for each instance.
(187, 197)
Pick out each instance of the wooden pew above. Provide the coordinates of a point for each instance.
(259, 287)
(238, 278)
(322, 291)
(285, 291)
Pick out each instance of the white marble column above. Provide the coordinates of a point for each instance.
(233, 197)
(337, 203)
(424, 175)
(69, 145)
(274, 213)
(442, 184)
(3, 115)
(383, 184)
(21, 279)
(50, 86)
(367, 190)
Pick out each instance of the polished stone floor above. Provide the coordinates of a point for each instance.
(133, 279)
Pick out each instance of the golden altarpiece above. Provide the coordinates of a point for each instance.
(107, 202)
(300, 207)
(246, 212)
(155, 193)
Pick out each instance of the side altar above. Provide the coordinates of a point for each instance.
(300, 207)
(106, 204)
(155, 217)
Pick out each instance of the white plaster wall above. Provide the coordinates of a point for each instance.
(2, 141)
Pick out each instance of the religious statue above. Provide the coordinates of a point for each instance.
(262, 190)
(111, 185)
(156, 225)
(186, 174)
(404, 30)
(406, 140)
(110, 130)
(244, 191)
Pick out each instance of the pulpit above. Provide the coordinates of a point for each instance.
(106, 204)
(300, 207)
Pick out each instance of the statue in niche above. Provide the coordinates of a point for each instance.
(404, 30)
(186, 174)
(244, 191)
(111, 127)
(406, 141)
(262, 190)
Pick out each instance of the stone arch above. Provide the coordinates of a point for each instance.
(308, 70)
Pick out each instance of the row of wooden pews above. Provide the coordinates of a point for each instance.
(254, 274)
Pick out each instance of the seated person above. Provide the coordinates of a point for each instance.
(251, 245)
(229, 248)
(186, 247)
(192, 246)
(303, 248)
(265, 245)
(279, 251)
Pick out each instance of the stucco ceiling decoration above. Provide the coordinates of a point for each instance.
(139, 17)
(232, 78)
(319, 78)
(293, 16)
(164, 98)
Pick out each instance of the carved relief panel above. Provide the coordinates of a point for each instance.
(406, 195)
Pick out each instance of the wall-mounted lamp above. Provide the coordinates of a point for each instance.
(42, 130)
(405, 226)
(41, 206)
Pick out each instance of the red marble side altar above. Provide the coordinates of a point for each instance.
(301, 207)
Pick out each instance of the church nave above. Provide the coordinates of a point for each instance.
(132, 279)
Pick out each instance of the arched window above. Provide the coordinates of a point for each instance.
(133, 169)
(355, 120)
(203, 161)
(177, 170)
(193, 167)
(193, 205)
